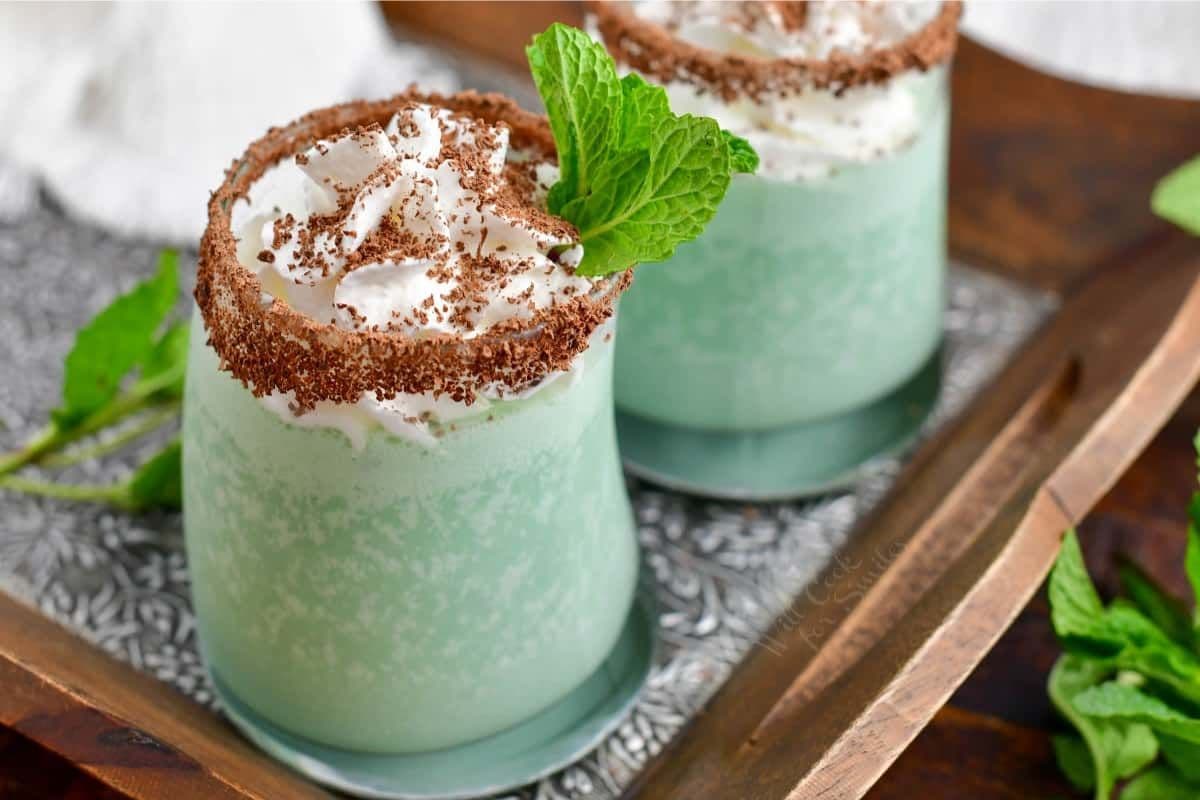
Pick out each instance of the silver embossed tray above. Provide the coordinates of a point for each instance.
(722, 573)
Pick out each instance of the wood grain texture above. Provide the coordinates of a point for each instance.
(498, 31)
(966, 755)
(782, 726)
(129, 730)
(1064, 170)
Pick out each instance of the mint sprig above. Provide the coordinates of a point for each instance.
(1129, 682)
(1176, 198)
(116, 339)
(636, 179)
(120, 371)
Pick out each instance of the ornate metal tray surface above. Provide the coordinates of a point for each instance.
(721, 571)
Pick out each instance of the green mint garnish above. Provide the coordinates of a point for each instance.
(1117, 701)
(169, 358)
(636, 179)
(116, 339)
(1160, 783)
(1108, 750)
(1176, 198)
(1129, 682)
(119, 366)
(741, 154)
(158, 482)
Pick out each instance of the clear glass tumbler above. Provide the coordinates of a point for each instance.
(398, 597)
(799, 335)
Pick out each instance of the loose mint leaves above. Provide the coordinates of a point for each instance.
(1176, 198)
(1115, 749)
(1160, 783)
(1075, 608)
(636, 179)
(1114, 700)
(1075, 760)
(159, 482)
(167, 361)
(122, 341)
(117, 339)
(1129, 682)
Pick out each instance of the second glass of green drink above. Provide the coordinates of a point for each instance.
(799, 335)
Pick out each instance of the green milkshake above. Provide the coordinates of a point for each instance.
(452, 558)
(799, 335)
(405, 517)
(446, 592)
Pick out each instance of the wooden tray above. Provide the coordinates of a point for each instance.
(1049, 187)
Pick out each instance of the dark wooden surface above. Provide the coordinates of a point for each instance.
(1049, 185)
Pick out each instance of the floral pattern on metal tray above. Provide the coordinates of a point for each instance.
(722, 571)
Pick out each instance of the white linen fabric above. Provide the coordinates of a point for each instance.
(1135, 45)
(131, 112)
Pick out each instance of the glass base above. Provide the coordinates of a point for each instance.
(782, 463)
(520, 755)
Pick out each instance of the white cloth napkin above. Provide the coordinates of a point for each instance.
(1145, 46)
(131, 112)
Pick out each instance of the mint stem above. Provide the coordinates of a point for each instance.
(114, 494)
(49, 438)
(151, 422)
(45, 439)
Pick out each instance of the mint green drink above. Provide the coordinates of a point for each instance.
(802, 299)
(405, 517)
(406, 523)
(798, 336)
(400, 597)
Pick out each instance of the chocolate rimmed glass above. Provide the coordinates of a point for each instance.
(401, 597)
(799, 335)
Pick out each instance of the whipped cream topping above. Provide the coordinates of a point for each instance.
(429, 227)
(806, 135)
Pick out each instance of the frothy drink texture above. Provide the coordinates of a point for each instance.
(817, 290)
(810, 132)
(430, 225)
(464, 556)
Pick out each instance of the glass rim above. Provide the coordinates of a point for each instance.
(654, 51)
(271, 346)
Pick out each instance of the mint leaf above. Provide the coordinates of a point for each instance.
(1116, 701)
(116, 339)
(1163, 610)
(1075, 608)
(1191, 562)
(1160, 783)
(1176, 198)
(684, 180)
(642, 106)
(1149, 651)
(578, 83)
(1120, 637)
(1181, 754)
(169, 359)
(635, 179)
(741, 154)
(1117, 749)
(1075, 761)
(159, 482)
